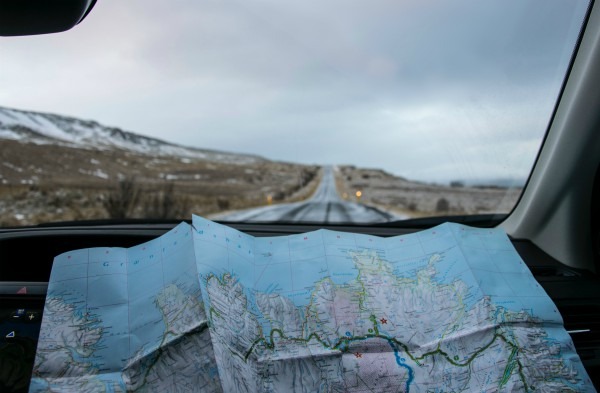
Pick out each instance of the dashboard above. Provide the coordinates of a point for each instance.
(27, 256)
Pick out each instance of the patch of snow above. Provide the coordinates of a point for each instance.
(9, 134)
(100, 173)
(19, 216)
(171, 177)
(13, 167)
(94, 161)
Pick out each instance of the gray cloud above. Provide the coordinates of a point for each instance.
(427, 89)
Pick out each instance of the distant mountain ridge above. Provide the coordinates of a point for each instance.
(46, 128)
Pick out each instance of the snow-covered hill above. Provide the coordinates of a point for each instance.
(45, 128)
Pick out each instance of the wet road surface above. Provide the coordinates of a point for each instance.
(325, 206)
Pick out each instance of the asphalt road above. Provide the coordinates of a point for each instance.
(325, 206)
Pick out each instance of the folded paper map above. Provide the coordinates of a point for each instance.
(208, 308)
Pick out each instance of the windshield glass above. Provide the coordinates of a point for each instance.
(343, 111)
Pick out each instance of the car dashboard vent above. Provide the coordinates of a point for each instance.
(583, 324)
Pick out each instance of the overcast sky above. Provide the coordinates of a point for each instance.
(429, 89)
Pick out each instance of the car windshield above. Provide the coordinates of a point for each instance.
(326, 112)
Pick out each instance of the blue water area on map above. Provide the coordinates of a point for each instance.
(106, 254)
(402, 363)
(341, 268)
(404, 251)
(338, 239)
(277, 279)
(69, 271)
(147, 282)
(106, 291)
(70, 257)
(268, 250)
(307, 262)
(108, 268)
(72, 292)
(370, 242)
(253, 308)
(153, 266)
(436, 239)
(146, 324)
(113, 347)
(307, 272)
(308, 240)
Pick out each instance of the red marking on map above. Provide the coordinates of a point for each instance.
(358, 355)
(383, 321)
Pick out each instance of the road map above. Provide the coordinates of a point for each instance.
(119, 320)
(209, 308)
